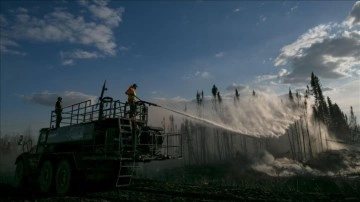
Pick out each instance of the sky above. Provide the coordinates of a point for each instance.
(171, 50)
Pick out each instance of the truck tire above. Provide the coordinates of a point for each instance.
(20, 177)
(46, 177)
(63, 178)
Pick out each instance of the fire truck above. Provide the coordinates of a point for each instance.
(97, 142)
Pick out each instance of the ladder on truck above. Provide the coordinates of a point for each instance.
(127, 145)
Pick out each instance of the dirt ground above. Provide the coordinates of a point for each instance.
(300, 188)
(216, 182)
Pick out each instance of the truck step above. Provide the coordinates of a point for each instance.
(124, 176)
(123, 181)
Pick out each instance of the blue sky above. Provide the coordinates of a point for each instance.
(171, 49)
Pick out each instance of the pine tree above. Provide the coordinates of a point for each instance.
(219, 97)
(327, 112)
(314, 91)
(291, 97)
(237, 95)
(352, 120)
(214, 91)
(307, 91)
(298, 97)
(341, 128)
(331, 114)
(320, 104)
(323, 108)
(353, 126)
(198, 97)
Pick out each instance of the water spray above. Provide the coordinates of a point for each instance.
(195, 117)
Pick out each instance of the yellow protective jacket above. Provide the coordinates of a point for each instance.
(131, 92)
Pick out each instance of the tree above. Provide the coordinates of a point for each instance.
(307, 91)
(353, 126)
(198, 100)
(214, 91)
(298, 97)
(320, 104)
(327, 112)
(331, 114)
(291, 98)
(219, 97)
(323, 108)
(340, 127)
(352, 120)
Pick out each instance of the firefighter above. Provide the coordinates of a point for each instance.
(58, 111)
(131, 92)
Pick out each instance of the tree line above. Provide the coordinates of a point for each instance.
(329, 113)
(324, 110)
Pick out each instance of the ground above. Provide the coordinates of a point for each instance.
(208, 183)
(331, 176)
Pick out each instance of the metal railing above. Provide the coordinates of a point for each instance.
(84, 112)
(170, 145)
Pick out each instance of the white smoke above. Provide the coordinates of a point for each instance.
(282, 167)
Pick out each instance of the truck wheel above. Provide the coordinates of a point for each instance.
(20, 178)
(63, 178)
(46, 177)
